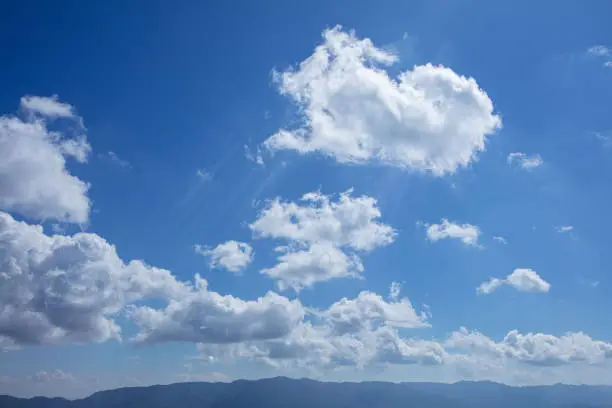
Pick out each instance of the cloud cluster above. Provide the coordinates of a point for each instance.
(523, 280)
(428, 119)
(34, 181)
(58, 288)
(322, 235)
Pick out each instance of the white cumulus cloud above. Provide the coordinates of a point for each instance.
(466, 233)
(56, 289)
(34, 181)
(208, 317)
(429, 118)
(231, 255)
(323, 234)
(523, 280)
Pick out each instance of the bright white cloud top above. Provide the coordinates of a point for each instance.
(231, 255)
(34, 181)
(523, 280)
(321, 236)
(427, 119)
(466, 233)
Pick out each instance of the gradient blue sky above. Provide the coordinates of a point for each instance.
(172, 88)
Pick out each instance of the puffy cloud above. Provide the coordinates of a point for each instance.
(523, 280)
(208, 317)
(34, 181)
(351, 332)
(534, 348)
(525, 161)
(349, 221)
(429, 118)
(318, 263)
(322, 234)
(49, 107)
(466, 233)
(369, 310)
(231, 255)
(59, 288)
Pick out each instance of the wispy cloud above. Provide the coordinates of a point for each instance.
(501, 240)
(203, 175)
(601, 52)
(113, 157)
(525, 161)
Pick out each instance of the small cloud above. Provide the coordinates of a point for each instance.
(51, 376)
(564, 228)
(523, 280)
(501, 240)
(466, 233)
(203, 175)
(231, 255)
(394, 290)
(255, 158)
(267, 115)
(46, 106)
(594, 284)
(599, 51)
(113, 157)
(405, 36)
(525, 161)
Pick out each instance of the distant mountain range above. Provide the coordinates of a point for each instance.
(283, 392)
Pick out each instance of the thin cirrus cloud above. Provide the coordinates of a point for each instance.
(523, 280)
(428, 119)
(525, 161)
(232, 256)
(466, 233)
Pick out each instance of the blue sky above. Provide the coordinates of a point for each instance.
(193, 126)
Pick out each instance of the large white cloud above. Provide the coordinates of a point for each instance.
(322, 234)
(369, 310)
(59, 288)
(233, 256)
(428, 118)
(208, 317)
(522, 279)
(466, 233)
(356, 332)
(533, 348)
(34, 181)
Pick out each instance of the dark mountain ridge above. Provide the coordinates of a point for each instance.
(305, 393)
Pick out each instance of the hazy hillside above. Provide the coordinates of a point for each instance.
(283, 392)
